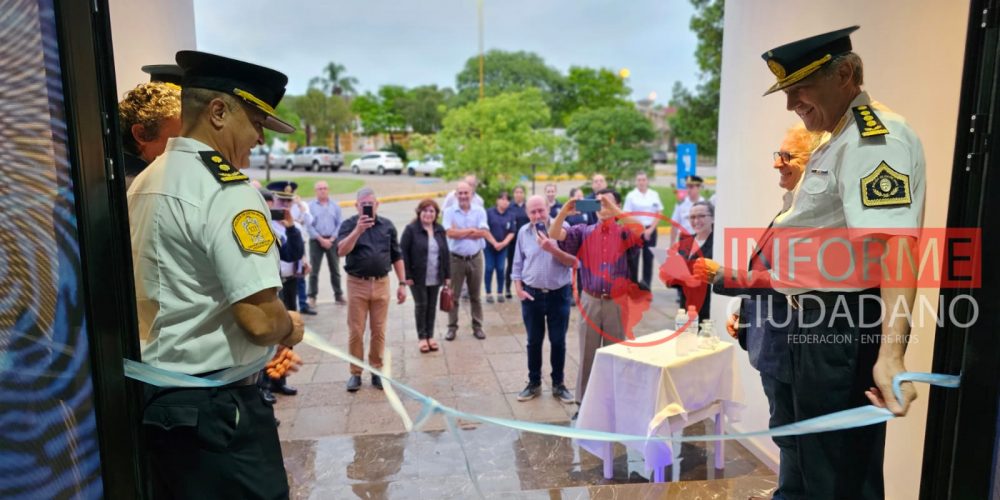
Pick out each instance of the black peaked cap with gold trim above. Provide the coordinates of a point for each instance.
(166, 73)
(258, 86)
(792, 62)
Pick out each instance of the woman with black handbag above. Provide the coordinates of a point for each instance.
(425, 256)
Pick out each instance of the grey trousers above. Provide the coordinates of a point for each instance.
(316, 254)
(606, 315)
(470, 272)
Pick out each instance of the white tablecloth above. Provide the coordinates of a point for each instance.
(647, 390)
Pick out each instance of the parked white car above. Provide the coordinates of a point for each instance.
(378, 162)
(428, 166)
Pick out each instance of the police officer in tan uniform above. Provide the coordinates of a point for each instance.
(206, 277)
(868, 178)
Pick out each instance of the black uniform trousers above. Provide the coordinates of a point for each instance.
(833, 354)
(213, 443)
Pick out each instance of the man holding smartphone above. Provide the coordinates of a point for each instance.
(542, 274)
(371, 248)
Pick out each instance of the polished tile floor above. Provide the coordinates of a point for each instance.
(341, 445)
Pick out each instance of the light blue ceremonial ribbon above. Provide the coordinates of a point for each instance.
(846, 419)
(841, 420)
(160, 377)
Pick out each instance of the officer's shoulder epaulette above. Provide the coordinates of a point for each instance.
(869, 124)
(221, 169)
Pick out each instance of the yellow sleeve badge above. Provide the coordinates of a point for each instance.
(252, 232)
(885, 187)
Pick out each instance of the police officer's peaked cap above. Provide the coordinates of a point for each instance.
(283, 189)
(794, 61)
(258, 86)
(166, 73)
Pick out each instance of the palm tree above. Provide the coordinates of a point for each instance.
(336, 83)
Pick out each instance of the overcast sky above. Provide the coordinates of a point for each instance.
(417, 42)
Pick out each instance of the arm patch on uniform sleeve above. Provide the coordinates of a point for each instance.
(869, 124)
(885, 187)
(252, 232)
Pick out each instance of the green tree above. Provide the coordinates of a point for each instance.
(510, 72)
(697, 117)
(611, 140)
(286, 111)
(498, 138)
(324, 114)
(378, 112)
(423, 107)
(336, 83)
(335, 80)
(422, 144)
(588, 88)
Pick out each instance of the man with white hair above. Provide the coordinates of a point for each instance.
(542, 276)
(468, 231)
(370, 247)
(452, 198)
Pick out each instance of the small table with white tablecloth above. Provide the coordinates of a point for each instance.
(652, 391)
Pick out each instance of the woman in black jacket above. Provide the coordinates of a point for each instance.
(425, 256)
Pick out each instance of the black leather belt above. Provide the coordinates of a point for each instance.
(466, 257)
(828, 300)
(369, 278)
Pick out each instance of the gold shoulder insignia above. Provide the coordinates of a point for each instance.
(223, 171)
(869, 124)
(885, 187)
(252, 231)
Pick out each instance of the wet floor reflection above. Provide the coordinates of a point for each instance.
(506, 464)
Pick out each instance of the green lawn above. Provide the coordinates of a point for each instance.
(337, 186)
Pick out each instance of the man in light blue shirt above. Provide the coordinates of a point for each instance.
(468, 232)
(326, 220)
(542, 274)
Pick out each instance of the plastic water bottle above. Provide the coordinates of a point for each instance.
(692, 314)
(680, 319)
(679, 342)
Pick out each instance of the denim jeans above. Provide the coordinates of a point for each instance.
(495, 262)
(548, 309)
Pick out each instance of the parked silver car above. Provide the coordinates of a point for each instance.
(316, 158)
(378, 162)
(258, 157)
